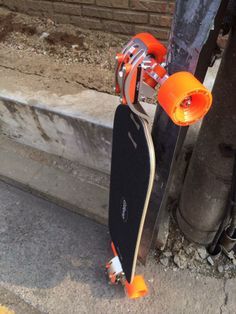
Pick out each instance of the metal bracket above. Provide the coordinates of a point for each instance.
(228, 243)
(115, 271)
(134, 58)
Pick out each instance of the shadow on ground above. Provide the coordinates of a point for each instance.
(55, 260)
(42, 244)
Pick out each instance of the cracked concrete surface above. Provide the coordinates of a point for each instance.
(53, 262)
(229, 305)
(223, 308)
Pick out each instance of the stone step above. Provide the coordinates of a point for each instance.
(69, 184)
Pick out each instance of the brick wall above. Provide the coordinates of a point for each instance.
(120, 16)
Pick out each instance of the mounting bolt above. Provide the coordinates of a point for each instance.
(120, 73)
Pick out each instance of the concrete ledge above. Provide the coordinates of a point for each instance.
(76, 127)
(69, 184)
(64, 126)
(59, 147)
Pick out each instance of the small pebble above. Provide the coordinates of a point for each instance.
(197, 257)
(190, 266)
(227, 267)
(44, 35)
(177, 246)
(167, 254)
(86, 46)
(164, 261)
(188, 249)
(180, 261)
(210, 261)
(231, 255)
(202, 253)
(220, 269)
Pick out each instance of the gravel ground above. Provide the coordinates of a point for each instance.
(179, 253)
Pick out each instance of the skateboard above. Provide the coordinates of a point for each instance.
(141, 74)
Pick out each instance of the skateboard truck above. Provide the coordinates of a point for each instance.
(136, 289)
(140, 70)
(115, 271)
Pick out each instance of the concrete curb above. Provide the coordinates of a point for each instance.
(66, 129)
(68, 184)
(40, 138)
(76, 127)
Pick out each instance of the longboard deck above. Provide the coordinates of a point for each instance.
(132, 176)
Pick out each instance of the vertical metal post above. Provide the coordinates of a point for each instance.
(196, 23)
(207, 184)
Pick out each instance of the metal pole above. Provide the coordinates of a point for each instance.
(207, 184)
(196, 23)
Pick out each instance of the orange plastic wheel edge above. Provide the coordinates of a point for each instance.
(177, 91)
(201, 103)
(155, 48)
(137, 288)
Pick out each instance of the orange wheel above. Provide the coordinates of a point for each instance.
(137, 288)
(184, 98)
(155, 48)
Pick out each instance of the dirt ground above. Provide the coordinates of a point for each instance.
(62, 58)
(52, 52)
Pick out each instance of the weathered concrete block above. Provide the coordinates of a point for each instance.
(75, 127)
(69, 134)
(60, 147)
(65, 183)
